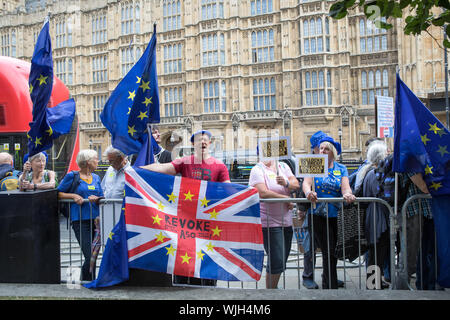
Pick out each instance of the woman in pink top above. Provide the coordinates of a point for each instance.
(274, 179)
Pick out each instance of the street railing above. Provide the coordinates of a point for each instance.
(367, 277)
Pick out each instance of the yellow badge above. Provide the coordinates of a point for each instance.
(91, 187)
(272, 175)
(337, 172)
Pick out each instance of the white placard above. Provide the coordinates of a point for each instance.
(385, 117)
(311, 165)
(277, 148)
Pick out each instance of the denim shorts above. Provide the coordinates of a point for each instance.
(279, 241)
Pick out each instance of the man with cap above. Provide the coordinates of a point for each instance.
(201, 166)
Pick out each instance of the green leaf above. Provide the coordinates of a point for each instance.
(439, 22)
(404, 3)
(447, 30)
(446, 43)
(349, 3)
(444, 3)
(338, 11)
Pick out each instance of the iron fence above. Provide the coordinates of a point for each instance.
(354, 272)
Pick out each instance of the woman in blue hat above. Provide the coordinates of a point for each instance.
(335, 185)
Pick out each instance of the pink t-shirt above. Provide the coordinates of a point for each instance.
(272, 214)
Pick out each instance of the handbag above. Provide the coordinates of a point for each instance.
(351, 239)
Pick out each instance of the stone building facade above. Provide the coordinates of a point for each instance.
(241, 68)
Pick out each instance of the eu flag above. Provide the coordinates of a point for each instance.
(148, 151)
(145, 107)
(47, 123)
(421, 145)
(114, 265)
(133, 103)
(421, 141)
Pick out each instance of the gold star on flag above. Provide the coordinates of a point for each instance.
(170, 250)
(441, 132)
(38, 141)
(131, 130)
(129, 110)
(188, 196)
(428, 170)
(110, 235)
(200, 255)
(156, 219)
(49, 131)
(31, 88)
(442, 150)
(210, 247)
(160, 206)
(172, 197)
(142, 115)
(214, 214)
(138, 79)
(424, 139)
(160, 237)
(436, 185)
(185, 258)
(144, 86)
(42, 79)
(434, 128)
(147, 101)
(132, 94)
(216, 231)
(204, 202)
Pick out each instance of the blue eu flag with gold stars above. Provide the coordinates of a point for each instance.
(145, 107)
(48, 123)
(421, 145)
(134, 103)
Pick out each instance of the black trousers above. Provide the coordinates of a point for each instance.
(381, 254)
(326, 238)
(85, 232)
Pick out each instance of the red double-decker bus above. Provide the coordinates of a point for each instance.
(16, 114)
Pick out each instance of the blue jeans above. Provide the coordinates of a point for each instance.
(277, 243)
(308, 271)
(85, 229)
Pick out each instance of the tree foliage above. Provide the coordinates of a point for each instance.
(419, 17)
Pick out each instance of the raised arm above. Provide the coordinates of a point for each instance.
(166, 168)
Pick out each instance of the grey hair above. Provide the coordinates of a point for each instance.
(114, 151)
(377, 151)
(84, 156)
(330, 146)
(39, 155)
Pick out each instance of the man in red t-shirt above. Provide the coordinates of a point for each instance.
(202, 166)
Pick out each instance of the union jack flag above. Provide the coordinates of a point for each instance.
(192, 228)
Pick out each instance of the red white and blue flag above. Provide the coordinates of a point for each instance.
(192, 228)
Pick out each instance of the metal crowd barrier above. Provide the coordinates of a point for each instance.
(405, 276)
(72, 256)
